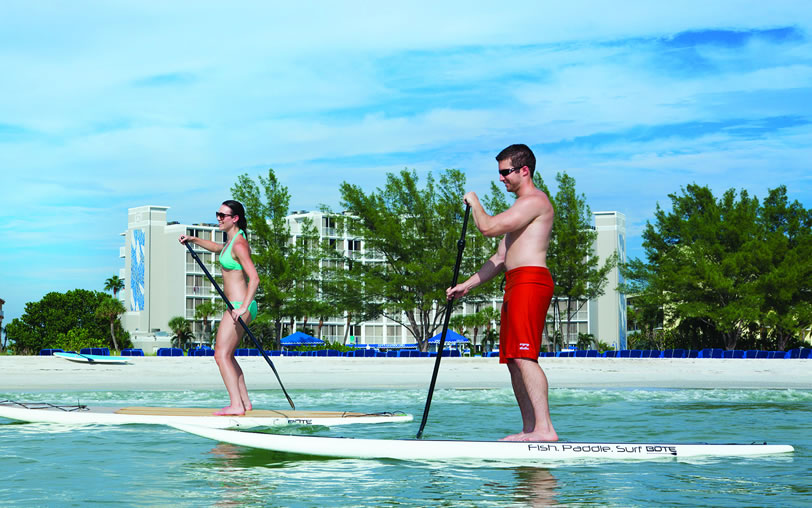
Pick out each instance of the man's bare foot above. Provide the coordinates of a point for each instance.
(230, 411)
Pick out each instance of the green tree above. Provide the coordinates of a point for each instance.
(585, 340)
(411, 236)
(114, 284)
(76, 339)
(702, 264)
(181, 332)
(286, 269)
(55, 314)
(110, 309)
(784, 259)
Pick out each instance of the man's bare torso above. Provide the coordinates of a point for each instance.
(527, 246)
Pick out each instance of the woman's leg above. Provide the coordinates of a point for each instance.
(229, 334)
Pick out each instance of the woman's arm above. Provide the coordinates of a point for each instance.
(206, 244)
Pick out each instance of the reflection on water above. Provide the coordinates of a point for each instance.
(536, 486)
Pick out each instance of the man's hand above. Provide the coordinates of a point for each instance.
(457, 291)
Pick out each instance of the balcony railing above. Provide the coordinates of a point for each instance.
(195, 268)
(199, 290)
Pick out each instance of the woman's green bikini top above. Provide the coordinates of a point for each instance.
(228, 262)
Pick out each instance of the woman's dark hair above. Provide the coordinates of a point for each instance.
(238, 210)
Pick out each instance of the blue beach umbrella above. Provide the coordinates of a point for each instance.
(300, 339)
(451, 337)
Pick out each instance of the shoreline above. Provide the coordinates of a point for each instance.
(47, 373)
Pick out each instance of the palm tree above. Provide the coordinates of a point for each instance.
(111, 309)
(206, 310)
(181, 332)
(114, 284)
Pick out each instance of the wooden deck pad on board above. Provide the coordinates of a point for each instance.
(256, 413)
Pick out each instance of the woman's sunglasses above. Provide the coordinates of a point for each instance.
(221, 215)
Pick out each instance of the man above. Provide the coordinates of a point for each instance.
(522, 253)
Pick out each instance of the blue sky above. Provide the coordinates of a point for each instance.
(110, 105)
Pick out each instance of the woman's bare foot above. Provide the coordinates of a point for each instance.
(513, 437)
(540, 436)
(230, 411)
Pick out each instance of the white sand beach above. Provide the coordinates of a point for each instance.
(45, 373)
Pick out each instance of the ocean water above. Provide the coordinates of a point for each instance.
(143, 465)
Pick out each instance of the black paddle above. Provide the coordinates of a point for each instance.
(245, 326)
(448, 305)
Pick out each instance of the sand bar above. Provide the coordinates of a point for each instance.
(38, 373)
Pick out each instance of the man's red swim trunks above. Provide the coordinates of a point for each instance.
(528, 291)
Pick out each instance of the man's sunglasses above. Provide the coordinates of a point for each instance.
(221, 215)
(506, 172)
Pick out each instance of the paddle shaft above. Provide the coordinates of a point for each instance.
(449, 304)
(245, 326)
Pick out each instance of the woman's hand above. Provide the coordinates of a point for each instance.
(237, 313)
(184, 239)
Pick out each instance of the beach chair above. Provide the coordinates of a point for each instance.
(609, 354)
(49, 352)
(624, 353)
(491, 354)
(592, 353)
(273, 352)
(635, 353)
(170, 351)
(806, 353)
(733, 353)
(393, 353)
(794, 354)
(777, 355)
(581, 353)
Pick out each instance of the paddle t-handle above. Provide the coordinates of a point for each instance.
(449, 304)
(239, 318)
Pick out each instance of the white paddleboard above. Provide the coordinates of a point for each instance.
(84, 415)
(416, 449)
(93, 358)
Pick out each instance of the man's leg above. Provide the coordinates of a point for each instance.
(530, 388)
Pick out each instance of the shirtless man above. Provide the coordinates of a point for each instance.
(522, 253)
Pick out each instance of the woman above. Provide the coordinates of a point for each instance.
(240, 281)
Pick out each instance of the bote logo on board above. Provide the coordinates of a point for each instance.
(671, 450)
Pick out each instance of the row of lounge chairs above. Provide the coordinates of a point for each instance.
(362, 353)
(797, 353)
(97, 351)
(681, 353)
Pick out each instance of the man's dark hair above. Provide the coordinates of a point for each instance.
(519, 155)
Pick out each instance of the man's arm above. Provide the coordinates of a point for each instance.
(492, 267)
(523, 211)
